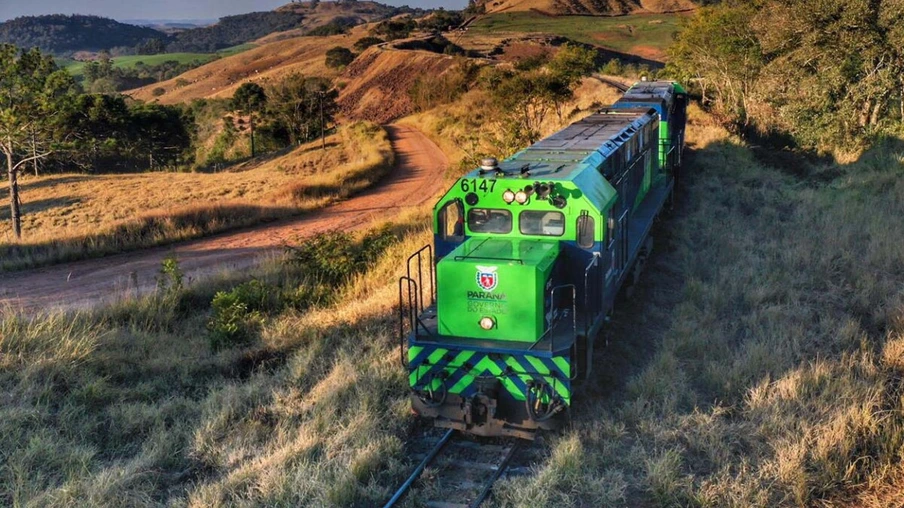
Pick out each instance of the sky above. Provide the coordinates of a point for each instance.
(169, 9)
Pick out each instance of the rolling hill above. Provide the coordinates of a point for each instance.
(269, 60)
(65, 35)
(61, 34)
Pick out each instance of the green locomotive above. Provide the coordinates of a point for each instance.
(528, 257)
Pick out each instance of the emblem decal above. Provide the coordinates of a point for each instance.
(487, 279)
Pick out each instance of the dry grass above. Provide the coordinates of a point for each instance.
(268, 61)
(131, 407)
(375, 86)
(74, 216)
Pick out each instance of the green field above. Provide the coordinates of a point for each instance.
(127, 62)
(644, 35)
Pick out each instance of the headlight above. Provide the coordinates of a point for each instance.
(487, 323)
(521, 197)
(508, 196)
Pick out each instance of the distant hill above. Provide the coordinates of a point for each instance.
(65, 35)
(589, 7)
(61, 34)
(234, 30)
(297, 18)
(344, 13)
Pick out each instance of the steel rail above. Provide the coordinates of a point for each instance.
(496, 474)
(420, 469)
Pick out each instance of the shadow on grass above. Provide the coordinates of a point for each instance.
(746, 334)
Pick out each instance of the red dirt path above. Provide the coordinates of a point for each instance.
(416, 177)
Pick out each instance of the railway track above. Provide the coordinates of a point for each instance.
(460, 472)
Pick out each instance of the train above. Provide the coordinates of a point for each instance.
(499, 316)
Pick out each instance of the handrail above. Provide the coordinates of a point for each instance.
(587, 310)
(574, 319)
(412, 310)
(420, 275)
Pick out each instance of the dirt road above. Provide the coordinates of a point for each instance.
(416, 178)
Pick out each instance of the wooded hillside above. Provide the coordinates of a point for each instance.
(826, 73)
(59, 34)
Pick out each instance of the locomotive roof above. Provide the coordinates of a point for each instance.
(652, 91)
(582, 145)
(576, 153)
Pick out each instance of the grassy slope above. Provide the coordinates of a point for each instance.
(307, 415)
(74, 216)
(268, 60)
(640, 34)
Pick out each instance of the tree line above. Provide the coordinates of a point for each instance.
(48, 123)
(61, 34)
(103, 76)
(828, 73)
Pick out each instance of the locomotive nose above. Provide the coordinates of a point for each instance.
(495, 289)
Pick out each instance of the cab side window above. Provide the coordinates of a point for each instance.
(452, 221)
(585, 232)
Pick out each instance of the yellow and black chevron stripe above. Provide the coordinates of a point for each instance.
(427, 363)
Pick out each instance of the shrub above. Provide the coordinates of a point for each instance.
(171, 276)
(339, 57)
(157, 92)
(332, 28)
(442, 20)
(393, 29)
(236, 316)
(366, 42)
(327, 262)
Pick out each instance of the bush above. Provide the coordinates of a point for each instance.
(393, 29)
(334, 257)
(157, 92)
(442, 20)
(171, 276)
(327, 262)
(366, 42)
(332, 28)
(339, 57)
(236, 316)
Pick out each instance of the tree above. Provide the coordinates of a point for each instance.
(32, 91)
(573, 62)
(825, 72)
(159, 133)
(339, 57)
(837, 74)
(718, 50)
(294, 103)
(96, 125)
(250, 98)
(523, 100)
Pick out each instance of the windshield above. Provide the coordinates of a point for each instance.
(485, 220)
(542, 223)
